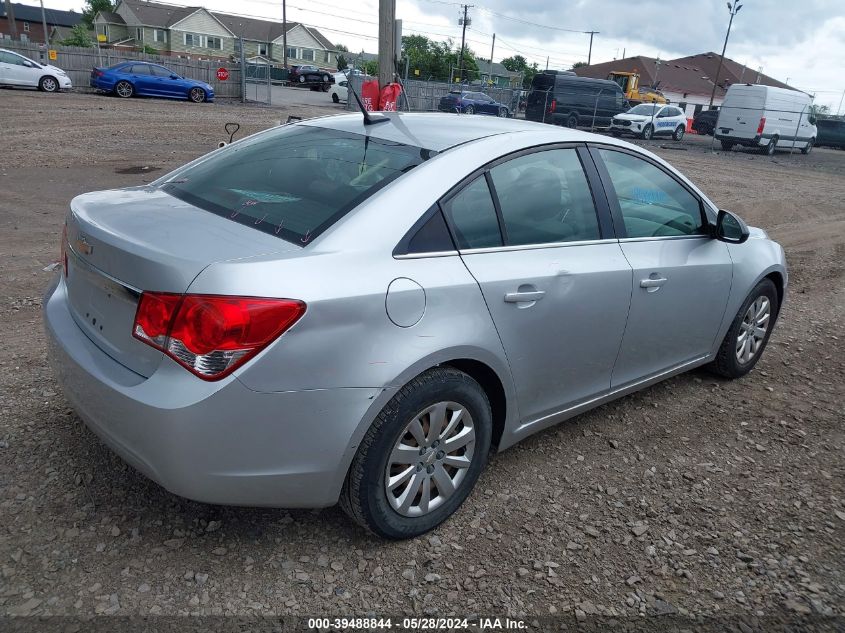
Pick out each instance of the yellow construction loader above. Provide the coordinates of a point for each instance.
(630, 84)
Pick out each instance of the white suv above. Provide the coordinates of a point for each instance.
(17, 70)
(647, 120)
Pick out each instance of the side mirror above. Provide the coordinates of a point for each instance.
(730, 228)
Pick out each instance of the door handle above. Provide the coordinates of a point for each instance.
(520, 297)
(653, 284)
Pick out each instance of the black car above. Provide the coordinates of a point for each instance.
(705, 122)
(831, 132)
(563, 98)
(308, 75)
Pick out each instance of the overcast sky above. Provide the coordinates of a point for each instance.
(802, 43)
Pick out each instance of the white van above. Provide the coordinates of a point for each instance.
(766, 117)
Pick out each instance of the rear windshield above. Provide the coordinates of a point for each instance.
(295, 181)
(542, 81)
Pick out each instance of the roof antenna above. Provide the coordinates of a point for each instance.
(369, 119)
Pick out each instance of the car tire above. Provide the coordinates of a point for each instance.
(727, 145)
(769, 150)
(678, 134)
(325, 79)
(469, 110)
(301, 79)
(572, 121)
(809, 147)
(197, 95)
(727, 362)
(124, 89)
(335, 98)
(503, 113)
(365, 495)
(648, 132)
(48, 84)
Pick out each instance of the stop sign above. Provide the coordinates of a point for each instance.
(222, 74)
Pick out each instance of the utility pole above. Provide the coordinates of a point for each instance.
(285, 31)
(464, 22)
(10, 16)
(386, 41)
(44, 24)
(839, 109)
(547, 62)
(734, 9)
(492, 48)
(590, 53)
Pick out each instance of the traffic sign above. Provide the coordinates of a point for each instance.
(222, 74)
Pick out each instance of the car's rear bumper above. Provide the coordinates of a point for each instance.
(215, 442)
(754, 141)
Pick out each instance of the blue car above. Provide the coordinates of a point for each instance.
(128, 79)
(472, 103)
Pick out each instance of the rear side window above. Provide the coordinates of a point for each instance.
(293, 181)
(545, 198)
(653, 204)
(473, 216)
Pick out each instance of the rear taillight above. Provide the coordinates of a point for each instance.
(212, 335)
(97, 73)
(63, 250)
(762, 125)
(552, 106)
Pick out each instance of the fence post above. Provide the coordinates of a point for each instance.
(795, 136)
(243, 71)
(595, 107)
(269, 85)
(545, 106)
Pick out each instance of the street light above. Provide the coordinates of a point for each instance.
(734, 9)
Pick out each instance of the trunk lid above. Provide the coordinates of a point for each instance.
(123, 242)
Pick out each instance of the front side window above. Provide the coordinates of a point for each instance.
(473, 216)
(161, 71)
(645, 109)
(544, 198)
(293, 181)
(653, 203)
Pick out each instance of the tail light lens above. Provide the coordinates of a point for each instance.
(552, 106)
(762, 125)
(212, 335)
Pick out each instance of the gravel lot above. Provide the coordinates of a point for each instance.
(697, 496)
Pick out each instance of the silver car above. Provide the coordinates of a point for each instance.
(335, 311)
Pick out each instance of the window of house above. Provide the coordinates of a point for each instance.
(191, 39)
(159, 35)
(292, 52)
(139, 34)
(26, 26)
(24, 37)
(308, 54)
(545, 198)
(237, 46)
(214, 42)
(262, 49)
(653, 203)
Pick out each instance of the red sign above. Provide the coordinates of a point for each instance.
(222, 74)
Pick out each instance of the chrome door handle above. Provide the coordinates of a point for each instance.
(520, 297)
(653, 283)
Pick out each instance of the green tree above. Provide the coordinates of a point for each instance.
(515, 64)
(429, 59)
(342, 64)
(370, 67)
(340, 48)
(578, 65)
(149, 50)
(92, 8)
(79, 36)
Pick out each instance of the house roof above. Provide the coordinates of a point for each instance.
(157, 14)
(498, 70)
(111, 17)
(54, 17)
(693, 74)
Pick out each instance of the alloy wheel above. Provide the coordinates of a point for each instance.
(197, 95)
(430, 459)
(49, 84)
(124, 89)
(752, 330)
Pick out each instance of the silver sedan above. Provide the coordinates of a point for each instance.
(338, 311)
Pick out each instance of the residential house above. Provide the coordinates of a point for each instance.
(28, 25)
(498, 76)
(196, 32)
(686, 81)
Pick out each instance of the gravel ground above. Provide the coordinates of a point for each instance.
(697, 496)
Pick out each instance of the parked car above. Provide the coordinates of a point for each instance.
(311, 76)
(563, 98)
(333, 311)
(143, 79)
(647, 120)
(766, 118)
(831, 132)
(705, 122)
(339, 90)
(472, 103)
(17, 70)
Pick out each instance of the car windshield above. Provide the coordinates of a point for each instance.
(646, 109)
(293, 181)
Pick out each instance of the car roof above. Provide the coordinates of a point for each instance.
(439, 131)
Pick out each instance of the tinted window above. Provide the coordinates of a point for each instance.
(545, 197)
(160, 71)
(432, 237)
(141, 69)
(474, 216)
(652, 202)
(293, 181)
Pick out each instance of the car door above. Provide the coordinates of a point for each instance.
(143, 80)
(552, 274)
(19, 70)
(8, 70)
(682, 276)
(167, 83)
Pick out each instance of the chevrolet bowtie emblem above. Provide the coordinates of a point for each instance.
(82, 246)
